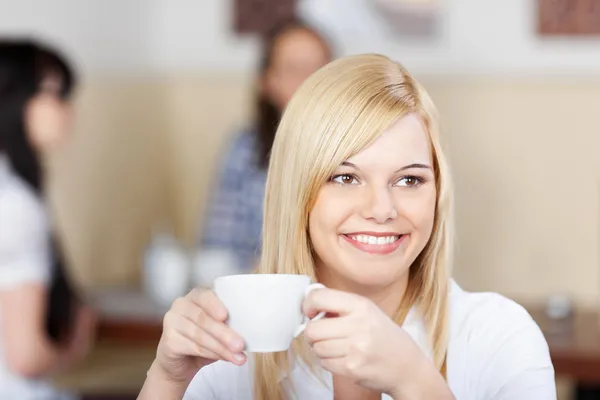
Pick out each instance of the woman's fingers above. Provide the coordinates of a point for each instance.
(334, 348)
(329, 328)
(199, 319)
(329, 300)
(184, 345)
(205, 310)
(218, 329)
(205, 343)
(208, 301)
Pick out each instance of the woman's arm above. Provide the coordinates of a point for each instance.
(25, 270)
(82, 338)
(159, 386)
(29, 351)
(425, 383)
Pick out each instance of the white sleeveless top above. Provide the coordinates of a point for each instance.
(495, 352)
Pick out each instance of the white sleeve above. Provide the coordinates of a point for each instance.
(220, 381)
(200, 388)
(513, 360)
(24, 243)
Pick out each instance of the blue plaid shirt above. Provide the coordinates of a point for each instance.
(235, 211)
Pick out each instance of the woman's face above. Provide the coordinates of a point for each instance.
(296, 55)
(48, 117)
(376, 214)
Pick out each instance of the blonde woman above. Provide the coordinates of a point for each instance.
(359, 197)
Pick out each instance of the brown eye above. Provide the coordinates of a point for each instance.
(345, 179)
(409, 181)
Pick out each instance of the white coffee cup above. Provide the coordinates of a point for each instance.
(266, 309)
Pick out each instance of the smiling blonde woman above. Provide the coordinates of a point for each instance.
(359, 197)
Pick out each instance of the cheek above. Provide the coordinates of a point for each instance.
(280, 89)
(284, 93)
(328, 216)
(420, 212)
(47, 123)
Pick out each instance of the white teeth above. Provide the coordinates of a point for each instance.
(374, 239)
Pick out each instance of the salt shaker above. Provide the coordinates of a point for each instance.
(166, 269)
(212, 263)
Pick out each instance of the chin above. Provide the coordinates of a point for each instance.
(371, 273)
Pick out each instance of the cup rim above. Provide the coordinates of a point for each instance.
(255, 275)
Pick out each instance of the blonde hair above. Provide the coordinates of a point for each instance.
(339, 111)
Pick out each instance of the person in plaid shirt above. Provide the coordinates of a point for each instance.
(292, 52)
(234, 219)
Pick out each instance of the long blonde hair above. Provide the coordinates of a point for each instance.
(339, 111)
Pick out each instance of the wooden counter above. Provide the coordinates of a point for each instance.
(130, 327)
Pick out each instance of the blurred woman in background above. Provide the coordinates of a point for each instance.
(233, 223)
(44, 328)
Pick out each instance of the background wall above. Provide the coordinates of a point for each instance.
(166, 83)
(523, 155)
(526, 174)
(137, 37)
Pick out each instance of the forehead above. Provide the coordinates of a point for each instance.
(405, 141)
(297, 44)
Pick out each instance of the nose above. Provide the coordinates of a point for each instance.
(379, 206)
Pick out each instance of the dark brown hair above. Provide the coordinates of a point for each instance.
(23, 66)
(267, 114)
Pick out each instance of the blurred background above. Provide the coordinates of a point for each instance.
(165, 86)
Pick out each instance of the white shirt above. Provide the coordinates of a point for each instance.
(24, 258)
(495, 352)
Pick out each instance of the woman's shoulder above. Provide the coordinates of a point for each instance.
(220, 380)
(497, 346)
(24, 249)
(244, 138)
(240, 148)
(474, 310)
(19, 203)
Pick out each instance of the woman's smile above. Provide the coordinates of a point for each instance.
(382, 243)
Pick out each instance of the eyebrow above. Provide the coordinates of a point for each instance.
(409, 166)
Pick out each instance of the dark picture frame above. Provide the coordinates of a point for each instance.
(568, 17)
(260, 16)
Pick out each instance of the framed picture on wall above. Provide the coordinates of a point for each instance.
(568, 17)
(260, 16)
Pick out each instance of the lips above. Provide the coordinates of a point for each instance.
(375, 242)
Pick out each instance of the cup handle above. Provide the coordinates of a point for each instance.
(320, 315)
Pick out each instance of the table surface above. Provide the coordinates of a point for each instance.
(128, 317)
(574, 344)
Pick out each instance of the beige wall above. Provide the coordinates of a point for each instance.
(527, 174)
(522, 150)
(110, 185)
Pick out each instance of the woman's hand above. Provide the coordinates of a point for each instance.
(195, 335)
(84, 334)
(361, 342)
